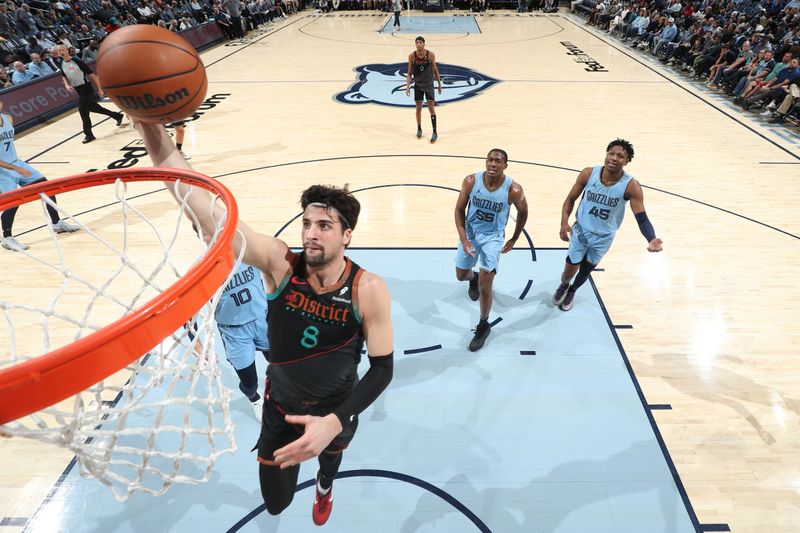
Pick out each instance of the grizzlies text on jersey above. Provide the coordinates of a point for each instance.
(487, 211)
(602, 207)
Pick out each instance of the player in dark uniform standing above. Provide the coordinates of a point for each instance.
(322, 308)
(422, 64)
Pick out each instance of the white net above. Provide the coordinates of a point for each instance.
(164, 418)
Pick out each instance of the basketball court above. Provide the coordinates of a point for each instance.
(666, 400)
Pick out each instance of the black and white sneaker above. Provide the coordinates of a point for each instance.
(481, 333)
(566, 303)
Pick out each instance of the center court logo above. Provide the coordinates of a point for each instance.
(386, 85)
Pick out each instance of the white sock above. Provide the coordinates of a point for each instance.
(322, 491)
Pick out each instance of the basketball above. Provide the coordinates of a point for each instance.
(152, 74)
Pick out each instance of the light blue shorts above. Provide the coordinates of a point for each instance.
(487, 252)
(586, 245)
(241, 342)
(10, 180)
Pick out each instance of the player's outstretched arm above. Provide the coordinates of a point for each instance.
(261, 251)
(572, 196)
(375, 309)
(636, 196)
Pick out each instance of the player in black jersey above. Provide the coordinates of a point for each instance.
(422, 66)
(322, 308)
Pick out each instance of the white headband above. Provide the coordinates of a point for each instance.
(333, 210)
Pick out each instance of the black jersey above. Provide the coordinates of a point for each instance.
(315, 339)
(423, 72)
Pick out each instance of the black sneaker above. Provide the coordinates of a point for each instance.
(566, 303)
(119, 118)
(419, 133)
(558, 296)
(473, 291)
(481, 332)
(87, 140)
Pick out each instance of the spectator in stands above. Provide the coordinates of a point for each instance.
(98, 32)
(53, 58)
(167, 14)
(224, 22)
(753, 87)
(710, 57)
(637, 26)
(777, 88)
(89, 53)
(26, 22)
(21, 74)
(146, 15)
(197, 10)
(33, 46)
(7, 29)
(130, 20)
(788, 105)
(82, 36)
(112, 25)
(107, 11)
(61, 38)
(44, 42)
(38, 68)
(668, 33)
(758, 70)
(5, 81)
(742, 60)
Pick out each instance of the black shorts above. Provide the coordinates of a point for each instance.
(277, 433)
(418, 94)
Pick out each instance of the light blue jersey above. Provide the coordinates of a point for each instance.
(243, 299)
(8, 153)
(11, 179)
(602, 208)
(487, 211)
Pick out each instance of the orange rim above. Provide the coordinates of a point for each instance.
(50, 378)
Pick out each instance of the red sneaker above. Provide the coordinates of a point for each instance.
(322, 506)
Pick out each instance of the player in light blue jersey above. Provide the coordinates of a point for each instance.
(605, 190)
(487, 198)
(17, 173)
(241, 316)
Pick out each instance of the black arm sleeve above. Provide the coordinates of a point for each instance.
(368, 389)
(645, 226)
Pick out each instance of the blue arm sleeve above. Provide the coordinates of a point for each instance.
(645, 226)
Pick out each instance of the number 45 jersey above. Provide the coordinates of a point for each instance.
(315, 339)
(603, 208)
(487, 211)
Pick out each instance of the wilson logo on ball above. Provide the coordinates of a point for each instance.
(150, 101)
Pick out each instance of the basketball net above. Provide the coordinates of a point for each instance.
(164, 418)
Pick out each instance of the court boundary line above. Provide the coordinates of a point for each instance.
(648, 413)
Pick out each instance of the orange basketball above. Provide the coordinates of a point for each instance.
(152, 74)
